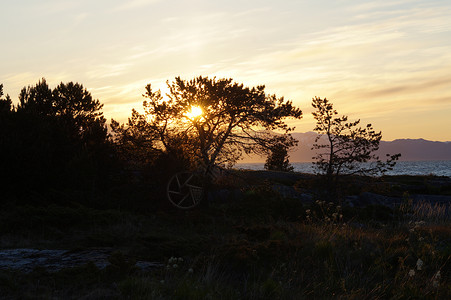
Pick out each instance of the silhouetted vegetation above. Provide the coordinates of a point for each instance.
(5, 103)
(254, 245)
(54, 139)
(277, 159)
(264, 235)
(233, 120)
(346, 145)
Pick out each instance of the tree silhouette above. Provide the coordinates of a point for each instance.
(71, 104)
(234, 120)
(37, 99)
(55, 137)
(346, 145)
(6, 104)
(277, 159)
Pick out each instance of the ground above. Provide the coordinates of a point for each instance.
(262, 235)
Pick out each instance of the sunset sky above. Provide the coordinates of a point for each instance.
(385, 62)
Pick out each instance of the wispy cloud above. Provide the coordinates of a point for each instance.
(134, 4)
(378, 5)
(105, 71)
(372, 58)
(79, 18)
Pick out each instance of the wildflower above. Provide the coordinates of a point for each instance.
(338, 207)
(307, 211)
(421, 238)
(180, 259)
(175, 266)
(190, 270)
(162, 281)
(412, 272)
(419, 264)
(436, 279)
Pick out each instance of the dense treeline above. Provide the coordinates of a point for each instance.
(57, 139)
(53, 139)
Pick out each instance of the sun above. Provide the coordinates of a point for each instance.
(195, 112)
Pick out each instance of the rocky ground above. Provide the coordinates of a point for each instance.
(26, 260)
(431, 190)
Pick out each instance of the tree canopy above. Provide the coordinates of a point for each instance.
(6, 104)
(53, 137)
(230, 120)
(277, 159)
(71, 104)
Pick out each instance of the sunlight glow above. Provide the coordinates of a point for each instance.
(195, 112)
(393, 54)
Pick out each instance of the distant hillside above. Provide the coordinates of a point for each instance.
(410, 149)
(417, 149)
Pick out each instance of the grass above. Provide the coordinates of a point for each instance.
(255, 246)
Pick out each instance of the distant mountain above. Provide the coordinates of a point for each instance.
(417, 149)
(410, 149)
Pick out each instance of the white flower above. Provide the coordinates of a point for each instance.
(162, 281)
(307, 211)
(437, 275)
(190, 270)
(412, 272)
(435, 282)
(180, 259)
(419, 264)
(175, 266)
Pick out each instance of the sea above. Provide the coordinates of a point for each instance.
(436, 167)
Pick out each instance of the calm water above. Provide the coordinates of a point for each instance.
(439, 168)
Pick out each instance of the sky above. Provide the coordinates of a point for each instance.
(387, 63)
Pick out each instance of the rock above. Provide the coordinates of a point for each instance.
(368, 198)
(25, 260)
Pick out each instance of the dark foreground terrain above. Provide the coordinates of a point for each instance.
(262, 235)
